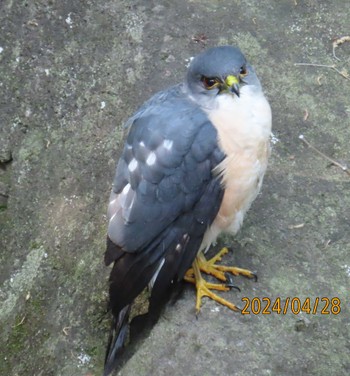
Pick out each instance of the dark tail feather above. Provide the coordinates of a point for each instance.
(116, 339)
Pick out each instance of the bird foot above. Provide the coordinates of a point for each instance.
(204, 289)
(221, 272)
(218, 271)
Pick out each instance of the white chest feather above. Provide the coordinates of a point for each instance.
(244, 127)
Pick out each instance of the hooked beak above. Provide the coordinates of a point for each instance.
(232, 83)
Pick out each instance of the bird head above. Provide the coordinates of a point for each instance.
(220, 70)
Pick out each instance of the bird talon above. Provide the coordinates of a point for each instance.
(229, 282)
(222, 272)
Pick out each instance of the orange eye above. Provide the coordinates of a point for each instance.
(243, 71)
(210, 82)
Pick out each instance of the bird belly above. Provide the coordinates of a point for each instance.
(241, 188)
(240, 192)
(244, 127)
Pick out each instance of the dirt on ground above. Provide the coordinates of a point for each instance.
(71, 73)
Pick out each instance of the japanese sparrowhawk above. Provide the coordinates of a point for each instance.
(193, 162)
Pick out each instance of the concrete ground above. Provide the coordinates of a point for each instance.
(71, 72)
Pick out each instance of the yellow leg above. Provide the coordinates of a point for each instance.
(201, 264)
(203, 289)
(218, 271)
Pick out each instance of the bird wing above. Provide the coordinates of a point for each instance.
(164, 170)
(165, 196)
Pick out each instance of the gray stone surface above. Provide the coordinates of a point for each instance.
(71, 72)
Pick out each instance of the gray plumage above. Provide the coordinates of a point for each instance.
(166, 193)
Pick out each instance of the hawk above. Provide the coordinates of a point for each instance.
(193, 162)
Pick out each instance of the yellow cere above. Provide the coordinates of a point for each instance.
(231, 80)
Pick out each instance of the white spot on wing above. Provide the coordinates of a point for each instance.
(155, 275)
(132, 165)
(112, 217)
(131, 204)
(142, 144)
(168, 144)
(111, 203)
(151, 159)
(126, 189)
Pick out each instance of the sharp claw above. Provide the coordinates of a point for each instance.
(255, 276)
(234, 287)
(229, 282)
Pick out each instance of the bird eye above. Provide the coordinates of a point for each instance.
(243, 71)
(210, 82)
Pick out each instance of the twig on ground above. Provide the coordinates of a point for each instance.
(343, 73)
(20, 323)
(306, 114)
(343, 167)
(300, 225)
(337, 43)
(65, 330)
